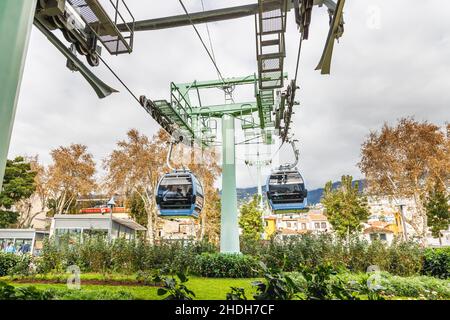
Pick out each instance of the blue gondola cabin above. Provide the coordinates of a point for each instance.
(286, 192)
(179, 194)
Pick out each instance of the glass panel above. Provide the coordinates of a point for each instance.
(68, 236)
(7, 245)
(286, 178)
(23, 245)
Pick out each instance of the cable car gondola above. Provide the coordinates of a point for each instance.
(286, 191)
(179, 194)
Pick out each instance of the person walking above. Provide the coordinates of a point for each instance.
(10, 248)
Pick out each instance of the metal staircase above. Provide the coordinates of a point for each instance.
(270, 29)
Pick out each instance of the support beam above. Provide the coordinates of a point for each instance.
(196, 17)
(209, 16)
(229, 231)
(212, 84)
(235, 109)
(16, 19)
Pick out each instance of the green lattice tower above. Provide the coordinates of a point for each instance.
(194, 121)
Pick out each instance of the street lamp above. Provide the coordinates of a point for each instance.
(111, 204)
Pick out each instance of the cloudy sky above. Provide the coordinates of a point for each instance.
(392, 62)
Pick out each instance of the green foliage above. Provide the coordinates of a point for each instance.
(416, 287)
(137, 209)
(18, 184)
(250, 219)
(8, 292)
(236, 294)
(437, 208)
(222, 265)
(101, 294)
(366, 287)
(8, 218)
(402, 258)
(276, 285)
(436, 262)
(95, 254)
(11, 264)
(176, 289)
(318, 282)
(405, 258)
(345, 207)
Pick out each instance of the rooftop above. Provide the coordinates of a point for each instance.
(125, 222)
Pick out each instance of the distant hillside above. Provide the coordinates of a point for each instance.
(314, 195)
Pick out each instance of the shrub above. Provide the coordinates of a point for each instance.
(276, 285)
(436, 262)
(96, 254)
(217, 265)
(417, 287)
(11, 264)
(377, 254)
(66, 294)
(236, 294)
(8, 292)
(402, 258)
(176, 289)
(405, 258)
(50, 258)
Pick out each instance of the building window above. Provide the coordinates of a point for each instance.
(383, 237)
(288, 224)
(68, 236)
(303, 226)
(317, 225)
(323, 225)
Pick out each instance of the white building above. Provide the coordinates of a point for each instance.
(76, 226)
(23, 240)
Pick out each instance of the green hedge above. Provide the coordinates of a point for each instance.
(401, 258)
(97, 255)
(436, 262)
(217, 265)
(11, 264)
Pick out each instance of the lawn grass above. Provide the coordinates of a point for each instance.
(123, 286)
(204, 288)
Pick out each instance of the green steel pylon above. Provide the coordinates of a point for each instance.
(16, 19)
(180, 114)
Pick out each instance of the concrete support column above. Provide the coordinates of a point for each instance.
(16, 19)
(229, 230)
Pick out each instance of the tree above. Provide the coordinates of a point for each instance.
(135, 167)
(250, 219)
(437, 209)
(210, 217)
(345, 207)
(69, 176)
(136, 206)
(18, 184)
(205, 166)
(31, 207)
(403, 162)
